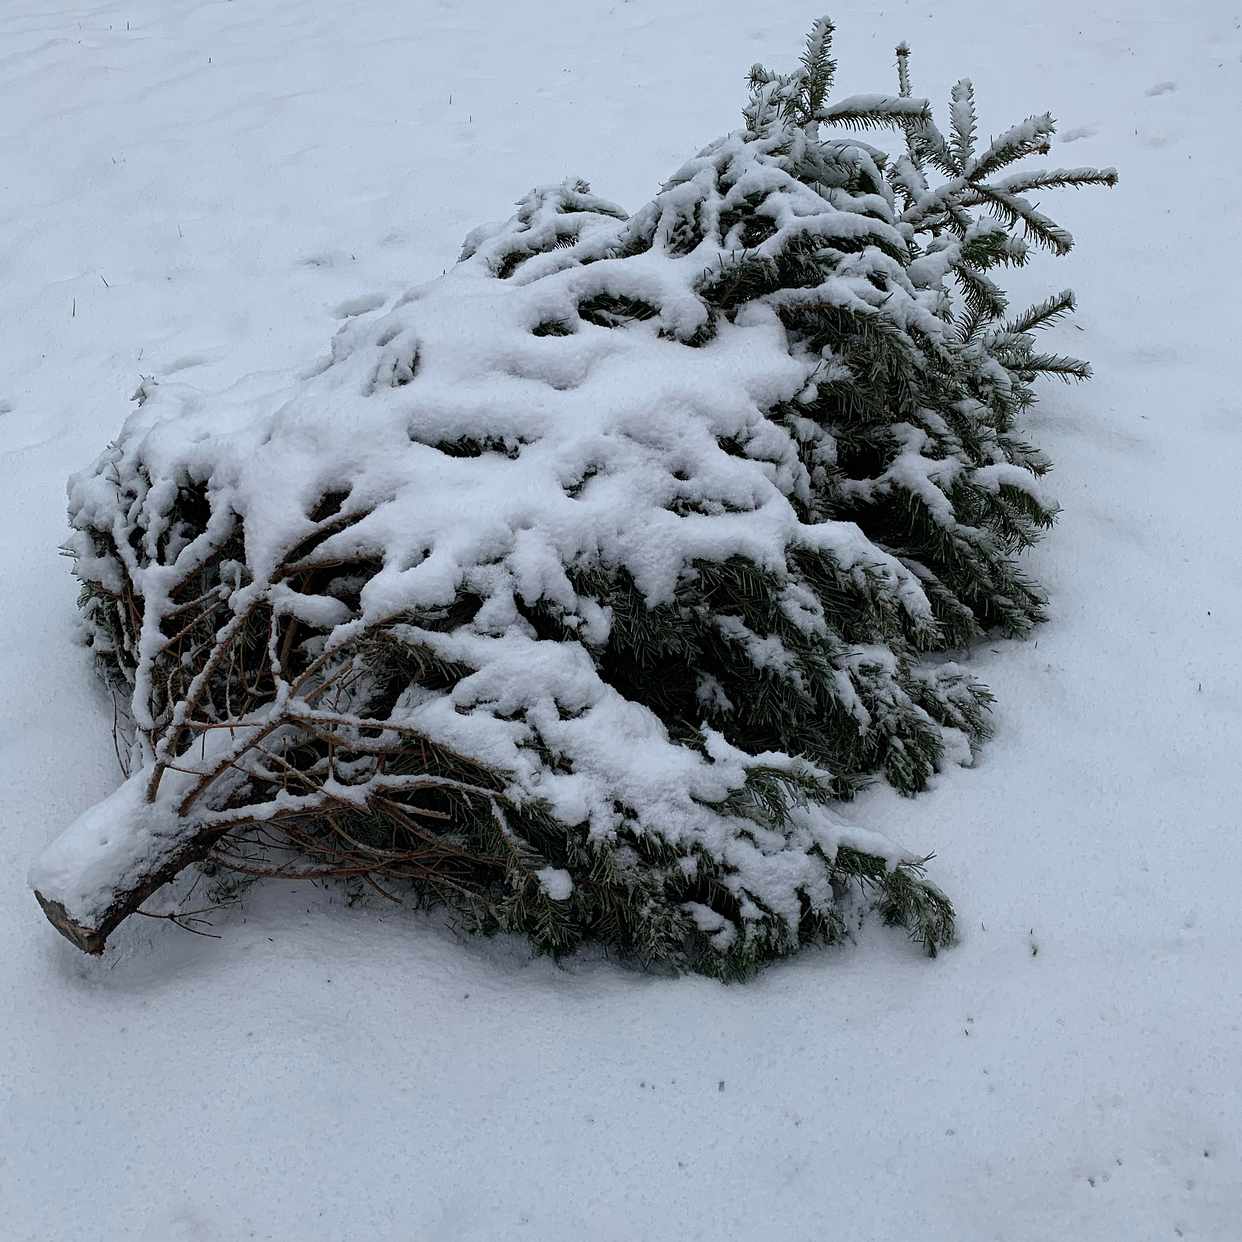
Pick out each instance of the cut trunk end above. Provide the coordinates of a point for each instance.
(89, 939)
(103, 867)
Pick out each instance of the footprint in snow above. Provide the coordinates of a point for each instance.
(1155, 354)
(186, 361)
(6, 407)
(1161, 88)
(1079, 131)
(324, 258)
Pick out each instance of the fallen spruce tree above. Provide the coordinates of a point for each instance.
(577, 588)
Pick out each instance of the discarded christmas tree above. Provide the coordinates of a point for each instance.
(575, 590)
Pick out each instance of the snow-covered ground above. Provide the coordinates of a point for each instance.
(205, 188)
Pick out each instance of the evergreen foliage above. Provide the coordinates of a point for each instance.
(822, 530)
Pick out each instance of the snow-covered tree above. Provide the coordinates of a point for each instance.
(576, 590)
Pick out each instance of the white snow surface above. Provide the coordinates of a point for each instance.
(200, 192)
